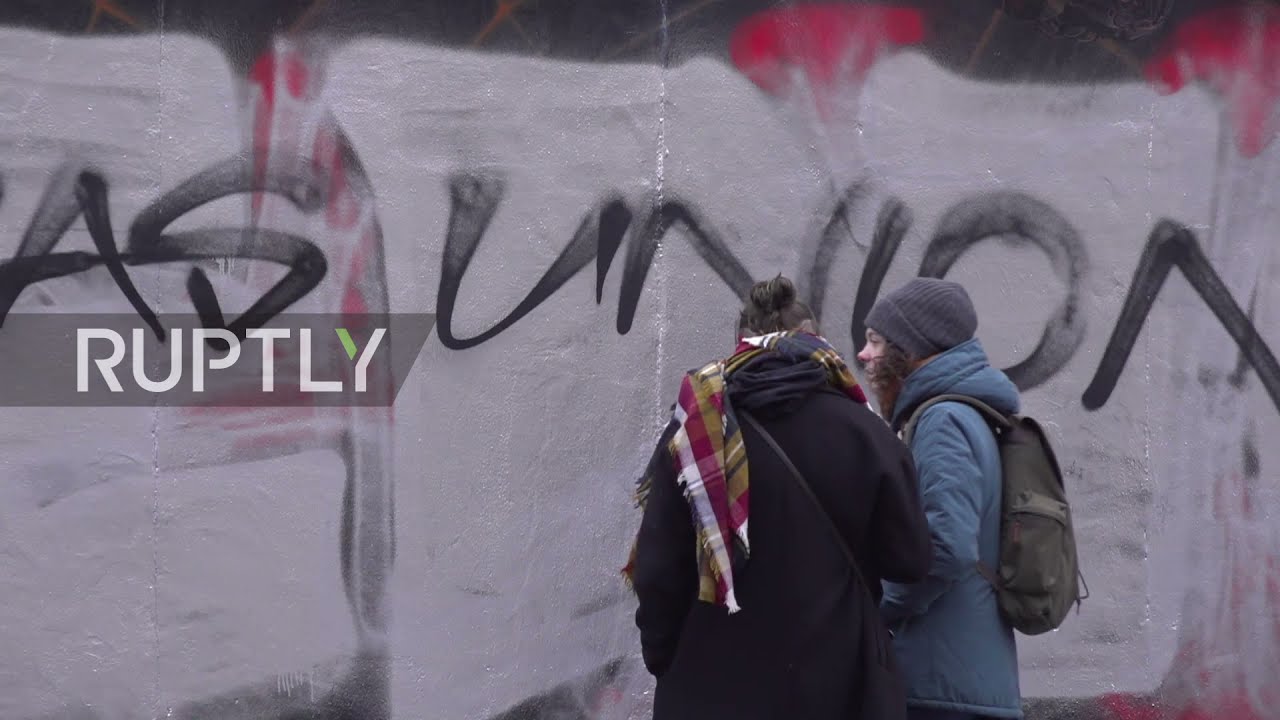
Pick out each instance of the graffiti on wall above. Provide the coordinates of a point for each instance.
(313, 241)
(602, 233)
(1009, 215)
(76, 191)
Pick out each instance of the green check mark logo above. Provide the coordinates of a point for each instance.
(347, 343)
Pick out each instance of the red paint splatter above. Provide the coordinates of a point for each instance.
(1118, 706)
(1128, 707)
(834, 46)
(1219, 670)
(295, 75)
(1236, 52)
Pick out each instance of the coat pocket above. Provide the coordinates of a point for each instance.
(884, 689)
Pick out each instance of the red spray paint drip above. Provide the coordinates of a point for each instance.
(290, 124)
(344, 209)
(1236, 51)
(263, 77)
(1212, 665)
(1218, 671)
(835, 46)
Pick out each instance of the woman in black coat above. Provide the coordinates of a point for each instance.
(773, 623)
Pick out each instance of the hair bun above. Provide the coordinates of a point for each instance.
(771, 296)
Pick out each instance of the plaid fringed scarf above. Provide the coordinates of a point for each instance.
(711, 460)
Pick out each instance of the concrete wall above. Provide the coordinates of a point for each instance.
(161, 561)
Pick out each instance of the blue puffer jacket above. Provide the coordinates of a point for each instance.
(954, 649)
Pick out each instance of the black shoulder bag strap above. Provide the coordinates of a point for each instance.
(883, 693)
(804, 485)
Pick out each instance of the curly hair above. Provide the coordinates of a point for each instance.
(892, 367)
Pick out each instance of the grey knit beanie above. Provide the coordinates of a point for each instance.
(925, 317)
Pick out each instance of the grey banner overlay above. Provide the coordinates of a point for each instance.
(57, 360)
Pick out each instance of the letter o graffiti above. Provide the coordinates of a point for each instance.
(1020, 218)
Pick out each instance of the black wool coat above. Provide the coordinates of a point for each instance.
(793, 650)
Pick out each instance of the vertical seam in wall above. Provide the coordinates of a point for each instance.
(157, 131)
(1146, 403)
(659, 181)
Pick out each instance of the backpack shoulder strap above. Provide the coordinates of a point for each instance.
(993, 416)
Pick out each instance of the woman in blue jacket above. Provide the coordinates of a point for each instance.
(957, 653)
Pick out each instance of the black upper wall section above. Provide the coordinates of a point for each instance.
(1032, 40)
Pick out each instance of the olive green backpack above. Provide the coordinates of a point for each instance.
(1036, 582)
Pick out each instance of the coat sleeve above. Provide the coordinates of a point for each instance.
(951, 489)
(665, 576)
(898, 522)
